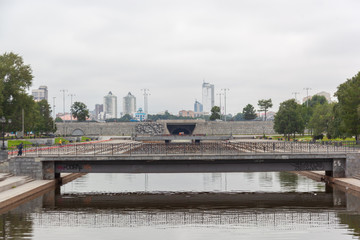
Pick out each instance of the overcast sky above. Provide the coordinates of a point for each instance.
(258, 49)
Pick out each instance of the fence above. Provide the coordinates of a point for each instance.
(210, 148)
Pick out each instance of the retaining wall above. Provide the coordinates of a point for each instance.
(201, 127)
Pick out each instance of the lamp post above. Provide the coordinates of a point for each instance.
(3, 121)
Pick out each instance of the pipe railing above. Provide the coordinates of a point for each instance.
(209, 148)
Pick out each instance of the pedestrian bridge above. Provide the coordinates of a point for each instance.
(340, 160)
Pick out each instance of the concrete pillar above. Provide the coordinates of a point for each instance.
(352, 164)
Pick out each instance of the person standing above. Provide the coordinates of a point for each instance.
(20, 148)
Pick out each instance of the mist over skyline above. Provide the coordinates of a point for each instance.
(258, 49)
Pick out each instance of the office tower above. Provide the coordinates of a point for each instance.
(99, 108)
(208, 97)
(40, 94)
(110, 106)
(129, 104)
(198, 107)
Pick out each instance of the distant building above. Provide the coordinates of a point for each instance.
(198, 107)
(99, 108)
(140, 115)
(110, 106)
(129, 104)
(208, 97)
(40, 94)
(184, 113)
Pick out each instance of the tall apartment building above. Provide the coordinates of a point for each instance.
(40, 94)
(129, 104)
(110, 106)
(208, 97)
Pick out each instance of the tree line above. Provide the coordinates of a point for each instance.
(339, 119)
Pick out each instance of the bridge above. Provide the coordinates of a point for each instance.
(340, 160)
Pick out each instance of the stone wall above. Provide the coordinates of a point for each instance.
(26, 166)
(158, 128)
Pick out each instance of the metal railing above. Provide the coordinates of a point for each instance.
(210, 148)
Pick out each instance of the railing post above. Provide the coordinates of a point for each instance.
(94, 149)
(75, 149)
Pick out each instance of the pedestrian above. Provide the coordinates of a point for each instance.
(20, 148)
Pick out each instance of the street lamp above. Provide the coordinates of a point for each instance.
(3, 121)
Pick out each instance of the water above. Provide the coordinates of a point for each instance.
(187, 206)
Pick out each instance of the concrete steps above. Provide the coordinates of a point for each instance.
(7, 181)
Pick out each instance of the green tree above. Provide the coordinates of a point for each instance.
(215, 113)
(321, 119)
(15, 78)
(80, 111)
(288, 120)
(249, 112)
(239, 117)
(309, 106)
(348, 95)
(44, 123)
(125, 118)
(264, 105)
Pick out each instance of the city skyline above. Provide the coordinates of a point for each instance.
(257, 49)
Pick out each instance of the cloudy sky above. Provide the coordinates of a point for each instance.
(258, 49)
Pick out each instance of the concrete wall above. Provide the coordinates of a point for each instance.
(202, 127)
(352, 164)
(26, 166)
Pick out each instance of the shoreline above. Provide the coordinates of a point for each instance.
(16, 196)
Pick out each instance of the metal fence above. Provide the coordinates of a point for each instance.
(210, 148)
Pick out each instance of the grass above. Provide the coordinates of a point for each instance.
(15, 143)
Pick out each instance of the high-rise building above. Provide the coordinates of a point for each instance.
(110, 106)
(99, 108)
(198, 107)
(129, 104)
(208, 97)
(40, 94)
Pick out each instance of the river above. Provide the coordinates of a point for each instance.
(187, 206)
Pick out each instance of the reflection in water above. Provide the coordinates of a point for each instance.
(187, 206)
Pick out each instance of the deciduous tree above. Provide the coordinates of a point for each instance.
(288, 120)
(79, 111)
(348, 95)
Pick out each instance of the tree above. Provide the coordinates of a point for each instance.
(309, 106)
(79, 111)
(348, 94)
(215, 113)
(288, 120)
(239, 117)
(264, 105)
(321, 119)
(15, 78)
(44, 123)
(125, 118)
(249, 112)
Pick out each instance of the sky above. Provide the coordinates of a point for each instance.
(258, 49)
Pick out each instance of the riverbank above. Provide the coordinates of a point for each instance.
(18, 190)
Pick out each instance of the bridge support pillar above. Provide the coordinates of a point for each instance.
(339, 169)
(49, 171)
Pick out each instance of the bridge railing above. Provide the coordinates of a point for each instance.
(213, 148)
